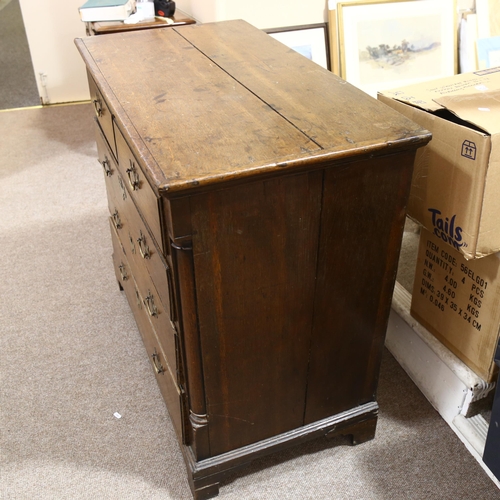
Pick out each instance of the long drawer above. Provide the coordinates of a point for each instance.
(135, 237)
(156, 350)
(138, 186)
(152, 306)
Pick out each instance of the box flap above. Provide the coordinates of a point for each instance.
(481, 109)
(433, 96)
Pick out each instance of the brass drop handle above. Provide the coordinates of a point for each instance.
(132, 244)
(115, 217)
(143, 246)
(97, 106)
(133, 176)
(122, 187)
(156, 362)
(123, 271)
(150, 305)
(107, 167)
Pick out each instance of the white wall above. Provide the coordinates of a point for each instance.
(51, 26)
(261, 13)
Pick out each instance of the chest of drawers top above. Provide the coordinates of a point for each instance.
(212, 103)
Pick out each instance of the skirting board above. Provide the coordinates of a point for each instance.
(448, 384)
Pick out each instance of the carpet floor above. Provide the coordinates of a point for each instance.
(71, 357)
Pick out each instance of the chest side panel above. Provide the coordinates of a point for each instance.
(361, 230)
(254, 250)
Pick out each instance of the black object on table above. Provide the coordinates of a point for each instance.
(491, 456)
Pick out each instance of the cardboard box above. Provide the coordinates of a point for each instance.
(458, 301)
(456, 183)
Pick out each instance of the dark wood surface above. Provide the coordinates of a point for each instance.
(109, 27)
(255, 256)
(275, 195)
(286, 109)
(362, 223)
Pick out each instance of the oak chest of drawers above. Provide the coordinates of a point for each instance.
(257, 205)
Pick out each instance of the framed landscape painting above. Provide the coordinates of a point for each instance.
(387, 44)
(311, 41)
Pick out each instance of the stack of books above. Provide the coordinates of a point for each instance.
(106, 10)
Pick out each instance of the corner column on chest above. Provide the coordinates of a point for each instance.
(178, 221)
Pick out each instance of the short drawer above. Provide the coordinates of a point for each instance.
(119, 199)
(103, 115)
(156, 354)
(139, 187)
(152, 304)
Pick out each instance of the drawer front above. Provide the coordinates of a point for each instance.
(152, 304)
(139, 187)
(156, 354)
(139, 246)
(103, 115)
(119, 200)
(146, 258)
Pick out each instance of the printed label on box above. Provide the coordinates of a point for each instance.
(454, 287)
(447, 229)
(469, 150)
(458, 301)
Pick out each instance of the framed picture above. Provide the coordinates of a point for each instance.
(333, 38)
(386, 44)
(311, 41)
(488, 52)
(488, 17)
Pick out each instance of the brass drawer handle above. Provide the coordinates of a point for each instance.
(133, 176)
(97, 107)
(143, 246)
(150, 305)
(115, 217)
(122, 187)
(106, 167)
(132, 243)
(123, 271)
(156, 363)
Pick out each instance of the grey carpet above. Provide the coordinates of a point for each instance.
(71, 356)
(17, 79)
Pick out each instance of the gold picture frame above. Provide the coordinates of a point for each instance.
(333, 40)
(386, 44)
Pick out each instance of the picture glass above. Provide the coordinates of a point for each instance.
(391, 44)
(309, 42)
(488, 52)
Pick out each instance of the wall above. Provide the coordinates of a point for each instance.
(261, 13)
(52, 29)
(59, 69)
(51, 26)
